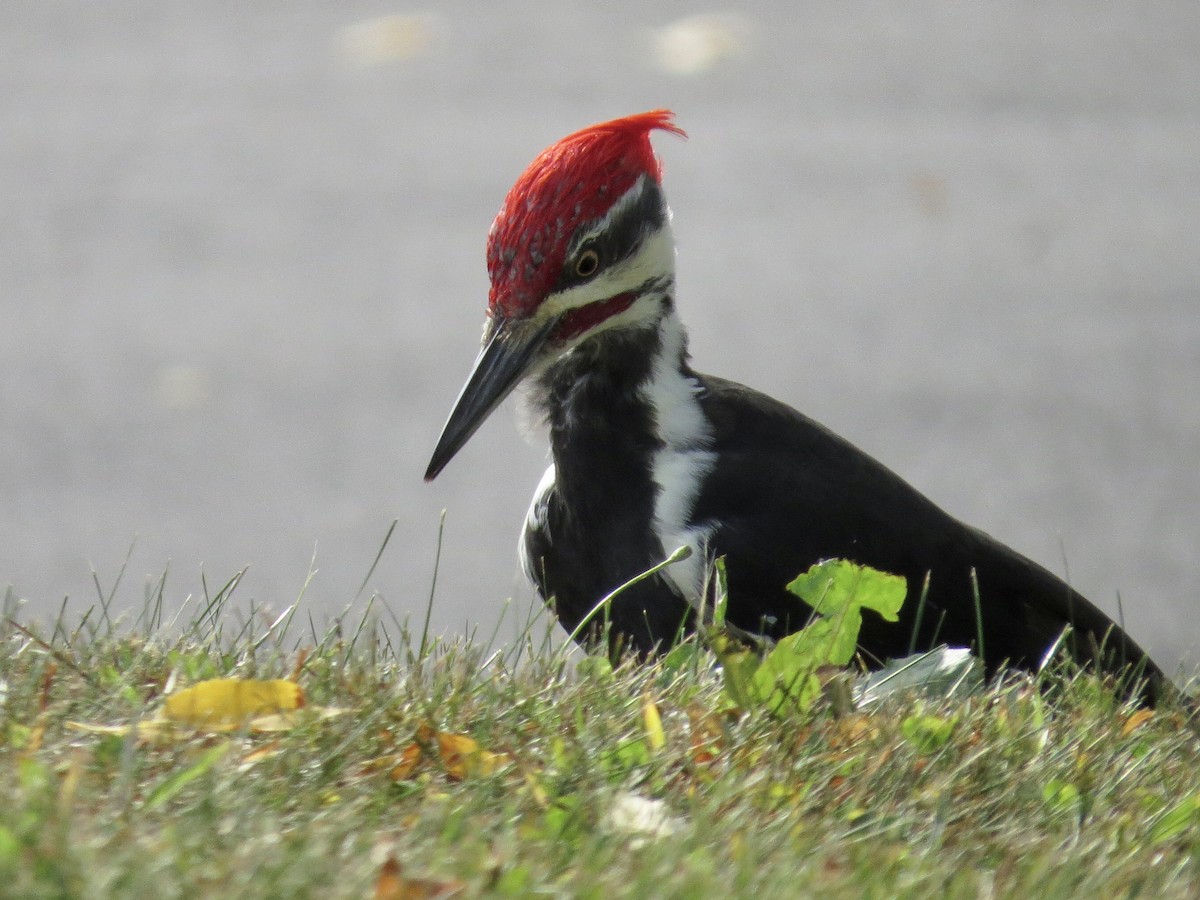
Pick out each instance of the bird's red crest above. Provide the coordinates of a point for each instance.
(572, 181)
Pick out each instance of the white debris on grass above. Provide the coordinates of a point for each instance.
(641, 816)
(940, 672)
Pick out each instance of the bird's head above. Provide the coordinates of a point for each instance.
(582, 244)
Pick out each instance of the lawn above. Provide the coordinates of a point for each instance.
(421, 768)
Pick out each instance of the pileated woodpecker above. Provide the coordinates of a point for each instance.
(650, 455)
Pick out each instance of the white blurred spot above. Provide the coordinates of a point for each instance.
(697, 43)
(640, 816)
(387, 39)
(930, 192)
(182, 387)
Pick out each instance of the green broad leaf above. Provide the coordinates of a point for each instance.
(33, 776)
(684, 655)
(10, 847)
(595, 668)
(738, 666)
(786, 678)
(18, 736)
(1176, 820)
(564, 819)
(928, 733)
(1062, 796)
(837, 585)
(827, 642)
(515, 881)
(631, 754)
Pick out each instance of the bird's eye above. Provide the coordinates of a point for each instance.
(587, 264)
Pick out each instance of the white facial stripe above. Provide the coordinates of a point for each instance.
(644, 309)
(654, 259)
(626, 200)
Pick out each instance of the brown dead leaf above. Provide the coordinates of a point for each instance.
(460, 756)
(851, 730)
(707, 733)
(47, 684)
(301, 659)
(267, 750)
(389, 761)
(392, 884)
(405, 762)
(1136, 720)
(464, 758)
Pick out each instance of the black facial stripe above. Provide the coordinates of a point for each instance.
(622, 236)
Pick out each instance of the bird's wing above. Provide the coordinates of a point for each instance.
(789, 492)
(535, 536)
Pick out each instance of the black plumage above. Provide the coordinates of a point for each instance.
(591, 532)
(783, 493)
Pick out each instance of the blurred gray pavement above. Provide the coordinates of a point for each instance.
(241, 265)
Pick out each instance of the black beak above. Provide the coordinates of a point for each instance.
(510, 352)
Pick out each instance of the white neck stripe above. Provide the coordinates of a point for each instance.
(680, 465)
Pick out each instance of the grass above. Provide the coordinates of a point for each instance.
(575, 779)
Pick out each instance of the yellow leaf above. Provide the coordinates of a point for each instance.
(155, 730)
(656, 738)
(463, 757)
(536, 790)
(33, 741)
(70, 784)
(222, 704)
(284, 721)
(231, 701)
